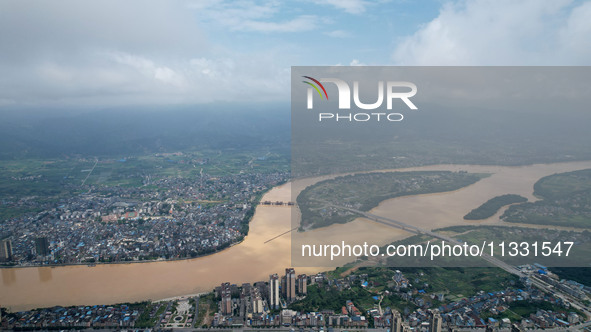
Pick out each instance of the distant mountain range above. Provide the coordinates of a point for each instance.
(51, 133)
(430, 135)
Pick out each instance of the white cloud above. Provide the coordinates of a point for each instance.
(300, 23)
(147, 67)
(65, 27)
(349, 6)
(110, 53)
(239, 78)
(502, 32)
(252, 16)
(338, 34)
(356, 62)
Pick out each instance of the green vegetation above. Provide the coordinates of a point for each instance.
(513, 245)
(207, 303)
(466, 281)
(522, 309)
(579, 254)
(433, 137)
(338, 272)
(323, 297)
(428, 137)
(556, 186)
(566, 201)
(28, 185)
(144, 320)
(490, 207)
(525, 308)
(365, 191)
(319, 298)
(579, 274)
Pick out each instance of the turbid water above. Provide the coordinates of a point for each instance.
(253, 259)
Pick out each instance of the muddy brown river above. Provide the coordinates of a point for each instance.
(253, 259)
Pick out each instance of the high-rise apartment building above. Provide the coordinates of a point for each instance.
(302, 284)
(290, 285)
(274, 291)
(42, 246)
(5, 250)
(435, 321)
(396, 322)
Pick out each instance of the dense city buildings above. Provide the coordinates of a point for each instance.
(411, 307)
(257, 302)
(168, 218)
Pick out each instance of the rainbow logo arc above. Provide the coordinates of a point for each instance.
(318, 84)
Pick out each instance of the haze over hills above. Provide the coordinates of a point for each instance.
(135, 131)
(431, 135)
(428, 136)
(434, 135)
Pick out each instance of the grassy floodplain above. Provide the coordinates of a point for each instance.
(490, 207)
(565, 201)
(365, 191)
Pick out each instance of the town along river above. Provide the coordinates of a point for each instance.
(254, 259)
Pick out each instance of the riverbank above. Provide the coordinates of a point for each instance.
(249, 216)
(253, 260)
(31, 287)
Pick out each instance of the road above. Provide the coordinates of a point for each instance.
(161, 317)
(509, 268)
(90, 172)
(280, 235)
(196, 311)
(418, 230)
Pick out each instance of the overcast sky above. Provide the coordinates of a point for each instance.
(76, 53)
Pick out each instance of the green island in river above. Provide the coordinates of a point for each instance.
(366, 190)
(490, 207)
(566, 201)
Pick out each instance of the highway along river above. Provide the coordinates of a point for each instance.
(255, 258)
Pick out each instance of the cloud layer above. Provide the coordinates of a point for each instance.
(106, 53)
(109, 52)
(502, 32)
